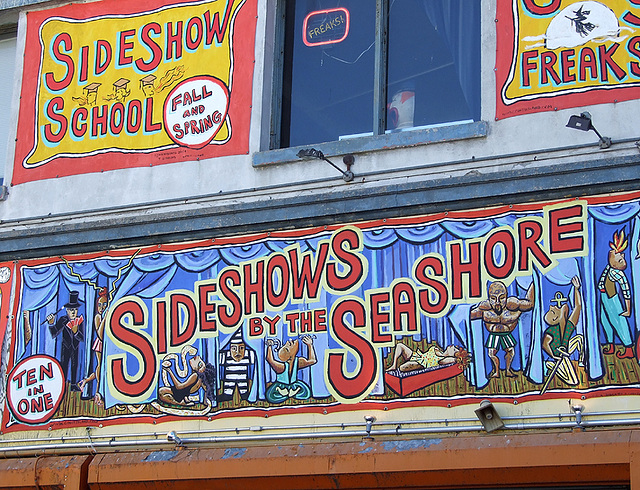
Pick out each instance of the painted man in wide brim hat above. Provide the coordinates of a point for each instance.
(71, 326)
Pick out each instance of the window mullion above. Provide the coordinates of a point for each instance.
(275, 127)
(380, 67)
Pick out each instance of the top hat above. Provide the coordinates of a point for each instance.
(73, 300)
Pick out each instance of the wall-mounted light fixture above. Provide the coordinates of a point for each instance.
(583, 123)
(489, 417)
(348, 160)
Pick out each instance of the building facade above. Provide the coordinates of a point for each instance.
(320, 244)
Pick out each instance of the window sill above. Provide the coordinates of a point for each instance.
(401, 139)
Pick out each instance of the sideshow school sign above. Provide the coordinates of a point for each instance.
(528, 302)
(113, 84)
(565, 53)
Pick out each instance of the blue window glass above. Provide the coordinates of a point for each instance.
(430, 61)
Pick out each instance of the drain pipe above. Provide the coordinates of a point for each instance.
(174, 440)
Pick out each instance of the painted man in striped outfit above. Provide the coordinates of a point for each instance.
(237, 363)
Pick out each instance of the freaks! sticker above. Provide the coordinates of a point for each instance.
(35, 389)
(195, 110)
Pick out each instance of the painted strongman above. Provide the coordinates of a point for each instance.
(615, 299)
(500, 315)
(71, 327)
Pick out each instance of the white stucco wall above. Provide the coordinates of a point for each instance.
(524, 141)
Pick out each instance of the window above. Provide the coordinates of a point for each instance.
(365, 67)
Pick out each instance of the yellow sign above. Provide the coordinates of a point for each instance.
(588, 51)
(130, 82)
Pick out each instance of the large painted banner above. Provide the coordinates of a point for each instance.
(557, 54)
(517, 303)
(114, 84)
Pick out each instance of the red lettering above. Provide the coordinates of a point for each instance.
(191, 42)
(116, 119)
(379, 317)
(253, 288)
(588, 61)
(48, 401)
(305, 281)
(17, 378)
(84, 64)
(149, 125)
(99, 116)
(104, 53)
(351, 386)
(630, 18)
(147, 371)
(134, 116)
(161, 320)
(59, 55)
(272, 322)
(567, 62)
(404, 305)
(606, 62)
(529, 235)
(46, 371)
(125, 45)
(547, 61)
(23, 407)
(507, 242)
(319, 320)
(255, 327)
(634, 48)
(560, 243)
(533, 7)
(231, 315)
(213, 25)
(470, 268)
(207, 308)
(55, 104)
(354, 269)
(291, 319)
(37, 405)
(79, 121)
(174, 39)
(182, 303)
(527, 66)
(435, 299)
(146, 40)
(31, 377)
(277, 278)
(306, 321)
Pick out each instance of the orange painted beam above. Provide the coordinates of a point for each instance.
(596, 457)
(68, 472)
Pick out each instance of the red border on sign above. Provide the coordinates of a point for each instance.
(505, 52)
(306, 19)
(44, 418)
(243, 46)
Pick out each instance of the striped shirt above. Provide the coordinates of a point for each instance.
(236, 373)
(618, 276)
